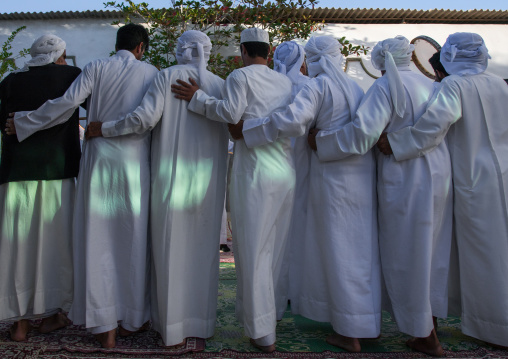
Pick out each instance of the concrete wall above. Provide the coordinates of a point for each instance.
(95, 38)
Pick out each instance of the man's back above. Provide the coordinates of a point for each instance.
(118, 85)
(267, 90)
(484, 98)
(47, 155)
(418, 90)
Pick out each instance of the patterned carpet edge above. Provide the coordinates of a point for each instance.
(481, 353)
(194, 350)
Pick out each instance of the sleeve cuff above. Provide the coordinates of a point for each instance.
(22, 132)
(197, 103)
(403, 146)
(255, 132)
(108, 129)
(326, 144)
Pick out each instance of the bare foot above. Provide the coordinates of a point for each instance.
(264, 348)
(19, 330)
(350, 344)
(107, 339)
(434, 320)
(56, 321)
(429, 345)
(177, 346)
(125, 333)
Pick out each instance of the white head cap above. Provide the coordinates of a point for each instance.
(288, 59)
(194, 48)
(254, 34)
(388, 55)
(45, 50)
(464, 53)
(324, 55)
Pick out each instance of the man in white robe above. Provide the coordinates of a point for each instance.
(414, 197)
(111, 258)
(37, 188)
(341, 275)
(262, 185)
(289, 60)
(471, 109)
(188, 167)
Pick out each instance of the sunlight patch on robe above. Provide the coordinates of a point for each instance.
(20, 200)
(117, 191)
(190, 182)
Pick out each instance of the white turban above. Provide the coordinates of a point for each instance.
(254, 34)
(194, 48)
(45, 50)
(388, 55)
(324, 55)
(464, 53)
(288, 59)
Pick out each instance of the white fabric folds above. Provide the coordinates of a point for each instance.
(45, 50)
(194, 48)
(35, 248)
(288, 59)
(464, 53)
(388, 55)
(324, 55)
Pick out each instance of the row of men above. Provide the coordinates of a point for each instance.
(181, 164)
(397, 227)
(405, 229)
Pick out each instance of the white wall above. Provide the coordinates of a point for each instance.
(87, 39)
(90, 39)
(370, 34)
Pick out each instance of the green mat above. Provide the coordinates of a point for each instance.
(298, 334)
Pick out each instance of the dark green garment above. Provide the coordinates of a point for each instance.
(49, 154)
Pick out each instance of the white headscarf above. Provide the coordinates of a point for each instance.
(194, 48)
(464, 53)
(45, 50)
(323, 55)
(288, 59)
(388, 55)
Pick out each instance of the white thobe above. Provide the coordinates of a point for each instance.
(35, 233)
(302, 153)
(471, 111)
(111, 210)
(188, 167)
(262, 185)
(414, 204)
(340, 271)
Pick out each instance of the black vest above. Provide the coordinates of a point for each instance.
(49, 154)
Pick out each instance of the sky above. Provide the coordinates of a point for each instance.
(9, 6)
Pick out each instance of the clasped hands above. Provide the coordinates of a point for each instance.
(384, 145)
(93, 129)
